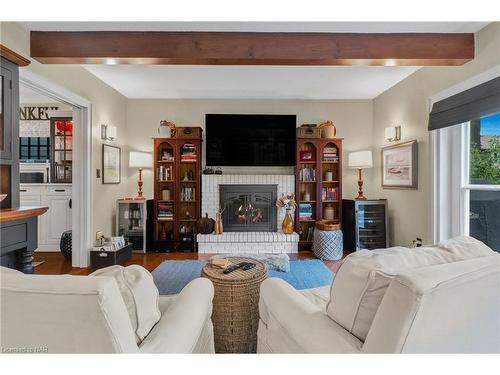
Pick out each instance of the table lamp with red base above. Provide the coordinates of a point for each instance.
(140, 160)
(360, 160)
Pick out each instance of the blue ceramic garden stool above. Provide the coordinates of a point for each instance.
(328, 244)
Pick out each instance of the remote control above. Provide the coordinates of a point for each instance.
(248, 266)
(232, 268)
(243, 265)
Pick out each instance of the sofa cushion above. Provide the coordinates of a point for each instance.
(139, 294)
(364, 276)
(318, 296)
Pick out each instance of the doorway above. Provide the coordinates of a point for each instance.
(81, 159)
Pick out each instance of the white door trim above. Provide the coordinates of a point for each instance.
(82, 161)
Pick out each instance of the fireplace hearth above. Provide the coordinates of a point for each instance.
(248, 208)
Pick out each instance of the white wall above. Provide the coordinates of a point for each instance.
(407, 104)
(108, 107)
(353, 119)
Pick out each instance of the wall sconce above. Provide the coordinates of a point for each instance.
(108, 132)
(393, 134)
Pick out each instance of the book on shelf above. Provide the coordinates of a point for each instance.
(329, 194)
(305, 211)
(164, 173)
(308, 174)
(165, 210)
(188, 152)
(330, 154)
(310, 233)
(330, 158)
(188, 193)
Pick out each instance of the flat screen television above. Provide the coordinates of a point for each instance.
(250, 140)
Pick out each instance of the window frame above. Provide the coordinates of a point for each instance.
(465, 185)
(450, 178)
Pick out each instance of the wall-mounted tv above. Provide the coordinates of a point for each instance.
(250, 140)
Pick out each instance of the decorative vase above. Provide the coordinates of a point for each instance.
(205, 225)
(218, 227)
(164, 130)
(328, 129)
(163, 234)
(329, 212)
(306, 196)
(165, 194)
(287, 225)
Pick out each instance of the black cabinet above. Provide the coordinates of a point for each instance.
(9, 133)
(365, 224)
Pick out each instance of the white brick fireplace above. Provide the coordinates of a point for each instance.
(245, 242)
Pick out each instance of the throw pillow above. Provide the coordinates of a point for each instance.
(139, 294)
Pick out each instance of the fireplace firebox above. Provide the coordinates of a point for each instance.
(248, 208)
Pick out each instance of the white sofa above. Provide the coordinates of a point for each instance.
(437, 299)
(87, 314)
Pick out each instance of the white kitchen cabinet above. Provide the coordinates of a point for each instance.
(57, 197)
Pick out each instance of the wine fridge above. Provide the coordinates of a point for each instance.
(365, 224)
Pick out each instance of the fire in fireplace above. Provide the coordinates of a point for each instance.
(248, 208)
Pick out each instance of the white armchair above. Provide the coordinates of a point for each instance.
(436, 299)
(87, 314)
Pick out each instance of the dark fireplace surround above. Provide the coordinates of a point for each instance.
(248, 208)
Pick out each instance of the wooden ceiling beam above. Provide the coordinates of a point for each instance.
(244, 48)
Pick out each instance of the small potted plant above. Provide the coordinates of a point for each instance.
(287, 201)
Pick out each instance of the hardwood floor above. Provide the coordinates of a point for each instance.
(55, 264)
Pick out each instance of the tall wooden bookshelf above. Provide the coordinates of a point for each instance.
(315, 157)
(177, 168)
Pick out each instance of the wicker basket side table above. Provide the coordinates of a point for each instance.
(236, 306)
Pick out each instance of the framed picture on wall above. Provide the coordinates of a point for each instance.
(399, 166)
(111, 164)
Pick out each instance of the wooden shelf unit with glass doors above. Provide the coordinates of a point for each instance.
(177, 193)
(61, 135)
(318, 185)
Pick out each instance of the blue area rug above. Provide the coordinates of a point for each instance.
(173, 275)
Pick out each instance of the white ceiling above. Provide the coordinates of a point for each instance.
(353, 27)
(249, 82)
(253, 82)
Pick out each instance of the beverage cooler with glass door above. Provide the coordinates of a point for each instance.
(131, 222)
(365, 224)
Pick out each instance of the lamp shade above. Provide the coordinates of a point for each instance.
(360, 159)
(140, 159)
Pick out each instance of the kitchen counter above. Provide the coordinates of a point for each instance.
(18, 229)
(25, 212)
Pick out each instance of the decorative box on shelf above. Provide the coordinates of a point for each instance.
(308, 132)
(188, 132)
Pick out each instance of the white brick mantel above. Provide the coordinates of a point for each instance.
(245, 242)
(248, 242)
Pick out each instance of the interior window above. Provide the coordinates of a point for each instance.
(34, 149)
